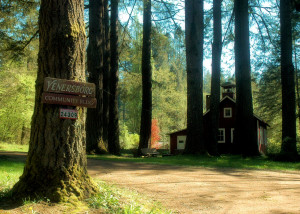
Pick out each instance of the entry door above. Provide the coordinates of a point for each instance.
(181, 142)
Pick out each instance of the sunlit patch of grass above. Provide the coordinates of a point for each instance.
(110, 199)
(45, 206)
(10, 171)
(13, 147)
(118, 200)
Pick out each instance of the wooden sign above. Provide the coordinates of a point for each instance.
(69, 100)
(68, 114)
(62, 86)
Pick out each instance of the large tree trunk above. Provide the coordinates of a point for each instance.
(297, 86)
(244, 139)
(194, 60)
(114, 144)
(94, 122)
(288, 147)
(215, 80)
(146, 115)
(106, 72)
(56, 166)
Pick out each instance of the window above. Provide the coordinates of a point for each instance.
(227, 112)
(221, 135)
(181, 141)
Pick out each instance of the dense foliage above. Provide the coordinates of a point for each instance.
(18, 66)
(18, 57)
(16, 97)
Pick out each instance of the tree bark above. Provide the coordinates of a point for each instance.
(106, 71)
(56, 166)
(194, 60)
(215, 80)
(114, 143)
(146, 115)
(297, 86)
(244, 139)
(288, 146)
(94, 122)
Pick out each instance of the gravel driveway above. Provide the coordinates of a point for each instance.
(202, 190)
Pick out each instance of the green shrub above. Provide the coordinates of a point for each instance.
(128, 140)
(16, 104)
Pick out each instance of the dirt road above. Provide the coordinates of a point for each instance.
(201, 190)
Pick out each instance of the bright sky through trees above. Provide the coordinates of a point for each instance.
(258, 25)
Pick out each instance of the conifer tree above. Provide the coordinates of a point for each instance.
(244, 139)
(215, 79)
(194, 61)
(95, 55)
(106, 73)
(114, 143)
(288, 147)
(56, 166)
(146, 115)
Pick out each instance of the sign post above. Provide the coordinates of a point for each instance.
(61, 86)
(69, 93)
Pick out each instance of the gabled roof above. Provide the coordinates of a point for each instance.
(177, 131)
(232, 100)
(257, 117)
(224, 98)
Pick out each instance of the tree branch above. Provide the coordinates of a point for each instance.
(231, 18)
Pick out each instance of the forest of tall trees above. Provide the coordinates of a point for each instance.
(157, 60)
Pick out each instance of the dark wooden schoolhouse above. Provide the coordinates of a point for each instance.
(226, 125)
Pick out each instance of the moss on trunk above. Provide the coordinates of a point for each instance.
(56, 166)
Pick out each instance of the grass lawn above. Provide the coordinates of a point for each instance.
(225, 161)
(111, 199)
(10, 172)
(13, 147)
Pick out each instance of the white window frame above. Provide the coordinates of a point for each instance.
(230, 110)
(224, 138)
(232, 132)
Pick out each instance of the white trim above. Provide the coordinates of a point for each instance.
(226, 97)
(232, 132)
(224, 138)
(224, 112)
